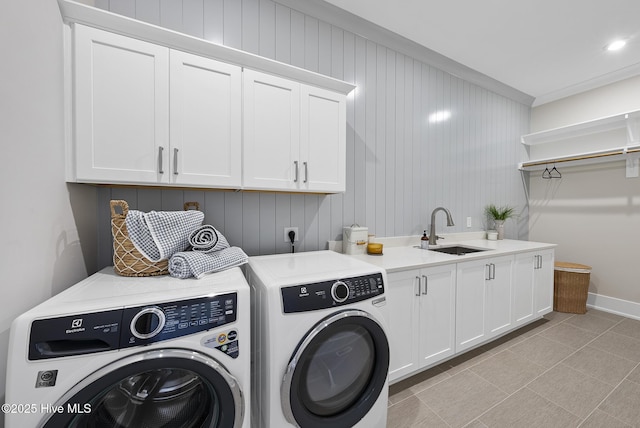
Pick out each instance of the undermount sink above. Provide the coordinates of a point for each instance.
(457, 250)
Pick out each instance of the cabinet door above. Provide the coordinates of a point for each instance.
(470, 303)
(271, 113)
(322, 140)
(522, 288)
(121, 90)
(437, 314)
(498, 296)
(205, 121)
(543, 282)
(403, 294)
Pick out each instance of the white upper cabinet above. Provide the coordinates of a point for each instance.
(146, 114)
(271, 124)
(205, 126)
(323, 140)
(150, 106)
(294, 135)
(121, 108)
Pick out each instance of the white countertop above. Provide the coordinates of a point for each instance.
(398, 258)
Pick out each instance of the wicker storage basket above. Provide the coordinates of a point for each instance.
(127, 261)
(571, 287)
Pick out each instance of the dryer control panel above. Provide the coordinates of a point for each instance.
(87, 333)
(330, 294)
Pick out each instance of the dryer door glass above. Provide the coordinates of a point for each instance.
(169, 388)
(337, 372)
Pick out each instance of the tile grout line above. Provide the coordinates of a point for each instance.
(609, 394)
(567, 357)
(467, 368)
(582, 420)
(552, 367)
(582, 347)
(532, 380)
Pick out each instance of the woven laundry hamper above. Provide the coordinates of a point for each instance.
(571, 287)
(127, 260)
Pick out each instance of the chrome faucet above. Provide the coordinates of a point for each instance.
(432, 230)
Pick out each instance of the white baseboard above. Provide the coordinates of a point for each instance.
(613, 305)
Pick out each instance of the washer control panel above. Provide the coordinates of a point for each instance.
(87, 333)
(328, 294)
(153, 323)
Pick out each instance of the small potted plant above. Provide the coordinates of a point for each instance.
(499, 215)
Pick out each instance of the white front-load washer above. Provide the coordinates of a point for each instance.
(115, 351)
(320, 353)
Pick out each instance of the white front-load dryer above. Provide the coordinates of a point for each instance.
(114, 351)
(319, 341)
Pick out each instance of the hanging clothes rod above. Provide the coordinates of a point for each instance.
(582, 157)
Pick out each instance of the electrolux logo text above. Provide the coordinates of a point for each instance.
(76, 326)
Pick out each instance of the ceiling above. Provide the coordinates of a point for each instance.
(548, 49)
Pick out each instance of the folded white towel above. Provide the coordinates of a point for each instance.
(160, 234)
(191, 263)
(206, 239)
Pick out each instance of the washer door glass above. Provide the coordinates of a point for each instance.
(174, 388)
(338, 371)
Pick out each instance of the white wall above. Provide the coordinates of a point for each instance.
(593, 212)
(47, 228)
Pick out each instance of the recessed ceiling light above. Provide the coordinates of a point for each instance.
(616, 45)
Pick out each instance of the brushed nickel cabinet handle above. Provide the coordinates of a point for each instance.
(306, 172)
(295, 163)
(175, 161)
(426, 285)
(160, 151)
(417, 290)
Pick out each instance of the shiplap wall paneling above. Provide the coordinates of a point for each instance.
(400, 165)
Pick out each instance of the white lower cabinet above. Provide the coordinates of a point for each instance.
(543, 282)
(437, 312)
(532, 286)
(421, 318)
(523, 292)
(483, 300)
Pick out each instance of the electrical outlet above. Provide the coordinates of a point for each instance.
(468, 221)
(286, 234)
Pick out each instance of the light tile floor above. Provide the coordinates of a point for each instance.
(566, 370)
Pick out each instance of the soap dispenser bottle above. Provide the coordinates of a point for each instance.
(424, 241)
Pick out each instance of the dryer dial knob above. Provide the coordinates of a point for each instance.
(339, 291)
(148, 322)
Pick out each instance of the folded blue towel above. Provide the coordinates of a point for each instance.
(206, 239)
(186, 264)
(160, 234)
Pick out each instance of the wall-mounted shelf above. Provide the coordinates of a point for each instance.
(607, 139)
